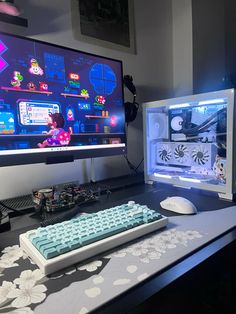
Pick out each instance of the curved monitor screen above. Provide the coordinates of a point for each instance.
(58, 104)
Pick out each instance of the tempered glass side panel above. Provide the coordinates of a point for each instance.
(186, 142)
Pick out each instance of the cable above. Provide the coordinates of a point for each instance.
(3, 214)
(131, 166)
(10, 208)
(139, 164)
(205, 125)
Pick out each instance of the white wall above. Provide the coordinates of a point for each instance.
(182, 47)
(151, 68)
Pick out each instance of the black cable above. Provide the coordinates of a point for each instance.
(3, 211)
(3, 214)
(139, 164)
(10, 208)
(205, 125)
(131, 166)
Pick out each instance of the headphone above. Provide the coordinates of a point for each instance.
(131, 108)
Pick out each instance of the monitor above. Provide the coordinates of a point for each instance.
(58, 104)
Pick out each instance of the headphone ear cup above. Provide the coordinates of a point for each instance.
(131, 110)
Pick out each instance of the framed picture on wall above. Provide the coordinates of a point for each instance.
(107, 23)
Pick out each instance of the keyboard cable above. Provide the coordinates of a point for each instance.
(11, 208)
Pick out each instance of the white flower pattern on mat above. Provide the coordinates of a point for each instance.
(152, 248)
(12, 252)
(121, 282)
(12, 248)
(131, 269)
(192, 234)
(83, 311)
(10, 255)
(7, 263)
(93, 292)
(71, 271)
(92, 266)
(6, 287)
(120, 253)
(98, 280)
(142, 276)
(23, 310)
(17, 296)
(27, 294)
(24, 290)
(29, 276)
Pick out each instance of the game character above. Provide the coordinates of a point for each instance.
(59, 136)
(101, 99)
(17, 79)
(35, 68)
(43, 86)
(31, 86)
(70, 115)
(84, 93)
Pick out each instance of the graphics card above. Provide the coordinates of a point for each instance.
(186, 154)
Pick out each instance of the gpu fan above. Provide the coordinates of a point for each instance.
(165, 153)
(200, 155)
(181, 153)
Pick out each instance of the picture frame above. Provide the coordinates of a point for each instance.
(105, 23)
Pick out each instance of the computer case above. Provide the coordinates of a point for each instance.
(189, 141)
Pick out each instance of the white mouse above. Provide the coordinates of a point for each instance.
(179, 205)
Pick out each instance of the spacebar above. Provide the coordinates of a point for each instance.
(103, 234)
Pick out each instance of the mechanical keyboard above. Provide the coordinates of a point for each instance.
(61, 245)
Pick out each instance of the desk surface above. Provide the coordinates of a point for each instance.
(127, 275)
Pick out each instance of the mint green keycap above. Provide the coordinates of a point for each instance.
(38, 239)
(62, 248)
(102, 235)
(74, 245)
(67, 236)
(50, 253)
(45, 247)
(40, 244)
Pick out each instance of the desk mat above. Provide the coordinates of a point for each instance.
(85, 287)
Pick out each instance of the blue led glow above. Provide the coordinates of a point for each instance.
(179, 105)
(190, 180)
(211, 101)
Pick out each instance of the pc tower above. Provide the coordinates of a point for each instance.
(189, 141)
